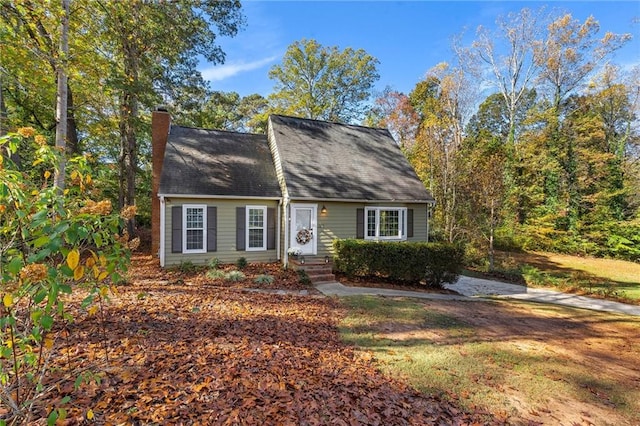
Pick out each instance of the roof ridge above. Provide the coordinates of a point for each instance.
(329, 122)
(217, 130)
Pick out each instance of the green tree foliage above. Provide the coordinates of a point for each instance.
(226, 111)
(124, 59)
(323, 83)
(443, 102)
(548, 161)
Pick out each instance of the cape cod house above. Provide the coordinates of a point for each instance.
(229, 195)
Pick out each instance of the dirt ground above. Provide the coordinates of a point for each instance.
(605, 347)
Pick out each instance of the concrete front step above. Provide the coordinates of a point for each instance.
(321, 278)
(316, 271)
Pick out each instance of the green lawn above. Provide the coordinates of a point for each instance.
(524, 363)
(609, 278)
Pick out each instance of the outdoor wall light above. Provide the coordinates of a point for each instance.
(326, 259)
(323, 210)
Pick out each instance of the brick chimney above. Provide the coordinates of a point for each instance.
(160, 125)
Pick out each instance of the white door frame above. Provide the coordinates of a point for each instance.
(310, 248)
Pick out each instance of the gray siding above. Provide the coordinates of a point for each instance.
(226, 233)
(340, 222)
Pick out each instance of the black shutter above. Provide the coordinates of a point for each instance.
(176, 229)
(271, 228)
(409, 223)
(212, 228)
(360, 223)
(240, 228)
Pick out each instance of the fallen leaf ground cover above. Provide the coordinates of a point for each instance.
(175, 348)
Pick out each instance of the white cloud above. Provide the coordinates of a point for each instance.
(222, 72)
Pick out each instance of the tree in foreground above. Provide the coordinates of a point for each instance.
(52, 244)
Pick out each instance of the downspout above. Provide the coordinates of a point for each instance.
(278, 229)
(428, 210)
(162, 230)
(285, 209)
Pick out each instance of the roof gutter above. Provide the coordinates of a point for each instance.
(349, 200)
(219, 197)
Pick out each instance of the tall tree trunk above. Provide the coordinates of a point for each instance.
(73, 145)
(61, 97)
(128, 127)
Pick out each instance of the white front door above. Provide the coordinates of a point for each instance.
(303, 228)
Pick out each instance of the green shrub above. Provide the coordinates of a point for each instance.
(264, 279)
(436, 263)
(241, 263)
(215, 274)
(214, 263)
(187, 266)
(303, 277)
(234, 276)
(532, 275)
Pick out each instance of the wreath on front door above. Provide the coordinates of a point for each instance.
(304, 236)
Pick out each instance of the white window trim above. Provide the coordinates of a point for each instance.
(184, 228)
(377, 237)
(264, 228)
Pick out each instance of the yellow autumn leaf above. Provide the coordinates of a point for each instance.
(47, 174)
(114, 289)
(92, 310)
(90, 262)
(96, 272)
(103, 261)
(38, 161)
(74, 174)
(73, 258)
(48, 342)
(88, 179)
(90, 414)
(78, 273)
(103, 275)
(104, 291)
(7, 300)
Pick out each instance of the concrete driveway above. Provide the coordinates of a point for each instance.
(478, 288)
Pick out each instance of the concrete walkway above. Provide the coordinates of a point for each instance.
(477, 288)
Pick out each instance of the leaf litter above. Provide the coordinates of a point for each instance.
(176, 348)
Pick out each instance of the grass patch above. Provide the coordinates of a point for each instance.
(607, 278)
(441, 354)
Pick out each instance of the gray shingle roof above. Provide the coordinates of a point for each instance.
(214, 162)
(337, 161)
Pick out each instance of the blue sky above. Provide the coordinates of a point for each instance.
(407, 37)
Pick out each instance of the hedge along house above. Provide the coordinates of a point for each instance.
(307, 182)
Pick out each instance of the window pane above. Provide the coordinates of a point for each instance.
(256, 218)
(195, 239)
(256, 238)
(303, 219)
(371, 223)
(194, 218)
(389, 223)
